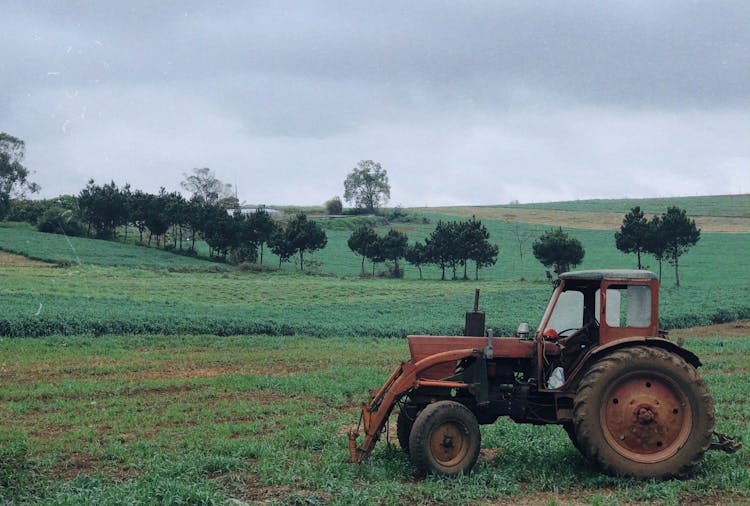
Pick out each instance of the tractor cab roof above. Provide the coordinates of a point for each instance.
(608, 274)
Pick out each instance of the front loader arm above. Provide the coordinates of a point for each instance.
(404, 378)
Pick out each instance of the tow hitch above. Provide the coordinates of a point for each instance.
(728, 444)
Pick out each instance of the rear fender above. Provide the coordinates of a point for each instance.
(593, 355)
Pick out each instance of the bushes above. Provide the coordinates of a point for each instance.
(57, 220)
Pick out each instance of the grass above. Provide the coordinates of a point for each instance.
(200, 419)
(716, 205)
(21, 239)
(92, 298)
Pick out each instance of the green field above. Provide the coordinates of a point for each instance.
(20, 238)
(176, 294)
(723, 205)
(159, 378)
(199, 419)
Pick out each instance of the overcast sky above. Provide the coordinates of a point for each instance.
(461, 102)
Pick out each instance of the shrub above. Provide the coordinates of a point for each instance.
(334, 206)
(57, 220)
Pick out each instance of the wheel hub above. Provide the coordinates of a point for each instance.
(646, 417)
(449, 444)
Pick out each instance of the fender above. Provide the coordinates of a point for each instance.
(689, 357)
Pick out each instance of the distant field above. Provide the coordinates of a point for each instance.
(20, 238)
(97, 298)
(718, 205)
(592, 220)
(202, 419)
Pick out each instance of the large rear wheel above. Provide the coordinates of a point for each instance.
(445, 439)
(643, 412)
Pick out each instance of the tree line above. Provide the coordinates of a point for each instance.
(666, 237)
(451, 245)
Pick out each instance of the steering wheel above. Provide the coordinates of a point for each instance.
(562, 332)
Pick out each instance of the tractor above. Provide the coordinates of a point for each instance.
(630, 399)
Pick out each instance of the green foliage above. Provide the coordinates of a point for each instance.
(23, 240)
(680, 234)
(56, 220)
(104, 207)
(633, 234)
(367, 186)
(14, 181)
(558, 250)
(334, 206)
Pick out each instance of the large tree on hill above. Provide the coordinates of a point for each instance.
(14, 182)
(556, 249)
(367, 186)
(203, 182)
(680, 234)
(633, 233)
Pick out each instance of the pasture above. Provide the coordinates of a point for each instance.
(195, 419)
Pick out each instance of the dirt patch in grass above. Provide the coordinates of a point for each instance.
(739, 328)
(12, 260)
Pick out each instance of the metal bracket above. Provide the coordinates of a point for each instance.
(728, 444)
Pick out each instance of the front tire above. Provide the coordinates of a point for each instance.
(643, 412)
(445, 439)
(404, 424)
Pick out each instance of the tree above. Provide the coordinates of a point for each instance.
(104, 207)
(484, 256)
(334, 206)
(363, 241)
(556, 249)
(203, 182)
(442, 247)
(655, 241)
(305, 235)
(632, 236)
(219, 230)
(473, 244)
(264, 227)
(281, 245)
(14, 181)
(156, 216)
(417, 255)
(367, 186)
(393, 247)
(680, 234)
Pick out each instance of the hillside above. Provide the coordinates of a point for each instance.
(111, 287)
(721, 214)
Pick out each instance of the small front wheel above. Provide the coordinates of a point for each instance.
(445, 439)
(404, 423)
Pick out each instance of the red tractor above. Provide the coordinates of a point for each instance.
(628, 397)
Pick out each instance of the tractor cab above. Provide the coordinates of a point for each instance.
(589, 309)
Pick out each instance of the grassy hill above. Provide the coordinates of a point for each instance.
(118, 288)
